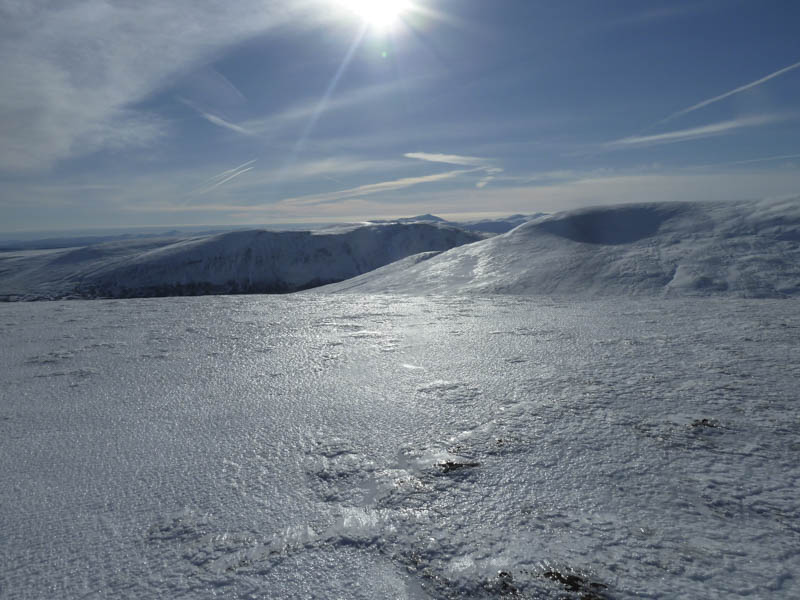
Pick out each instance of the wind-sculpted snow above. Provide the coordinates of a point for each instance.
(235, 262)
(363, 447)
(744, 249)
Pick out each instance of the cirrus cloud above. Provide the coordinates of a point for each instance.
(450, 159)
(693, 133)
(79, 67)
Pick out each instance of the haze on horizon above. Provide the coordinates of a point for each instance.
(325, 110)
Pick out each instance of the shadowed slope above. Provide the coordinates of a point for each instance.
(235, 262)
(611, 225)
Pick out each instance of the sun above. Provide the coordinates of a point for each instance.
(378, 14)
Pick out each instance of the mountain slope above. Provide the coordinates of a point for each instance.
(239, 261)
(747, 249)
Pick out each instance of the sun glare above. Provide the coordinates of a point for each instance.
(378, 14)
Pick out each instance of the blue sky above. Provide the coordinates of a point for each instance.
(194, 112)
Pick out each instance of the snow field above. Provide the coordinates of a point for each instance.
(386, 446)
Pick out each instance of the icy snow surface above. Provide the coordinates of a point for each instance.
(745, 249)
(397, 447)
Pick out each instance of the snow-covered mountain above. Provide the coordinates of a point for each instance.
(239, 261)
(486, 226)
(426, 218)
(746, 249)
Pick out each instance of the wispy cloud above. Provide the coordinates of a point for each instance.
(750, 161)
(481, 164)
(730, 93)
(220, 122)
(215, 119)
(224, 177)
(373, 188)
(603, 190)
(148, 201)
(332, 169)
(67, 100)
(451, 159)
(550, 176)
(491, 175)
(301, 202)
(693, 133)
(329, 169)
(233, 175)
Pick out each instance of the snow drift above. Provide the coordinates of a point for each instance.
(745, 249)
(234, 262)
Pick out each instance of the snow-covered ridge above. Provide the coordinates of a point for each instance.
(746, 249)
(239, 261)
(485, 226)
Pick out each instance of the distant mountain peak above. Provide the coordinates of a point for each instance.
(426, 217)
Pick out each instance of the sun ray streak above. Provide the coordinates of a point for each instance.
(348, 57)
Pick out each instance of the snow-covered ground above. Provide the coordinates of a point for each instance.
(318, 446)
(237, 261)
(620, 438)
(745, 249)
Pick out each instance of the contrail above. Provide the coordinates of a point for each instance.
(693, 133)
(224, 177)
(219, 183)
(730, 93)
(224, 174)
